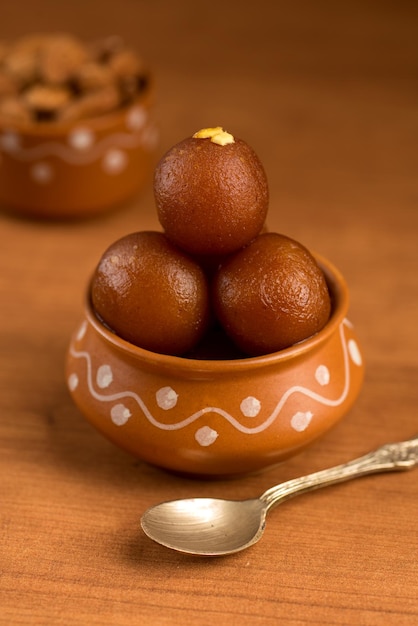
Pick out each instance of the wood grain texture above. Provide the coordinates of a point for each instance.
(326, 93)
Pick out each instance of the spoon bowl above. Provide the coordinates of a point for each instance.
(216, 527)
(206, 526)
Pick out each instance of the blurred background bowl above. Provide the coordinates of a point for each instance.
(78, 169)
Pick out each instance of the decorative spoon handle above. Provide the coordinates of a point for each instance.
(390, 457)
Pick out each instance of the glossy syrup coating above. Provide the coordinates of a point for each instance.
(271, 295)
(151, 294)
(211, 193)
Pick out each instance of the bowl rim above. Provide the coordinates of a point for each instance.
(340, 300)
(96, 123)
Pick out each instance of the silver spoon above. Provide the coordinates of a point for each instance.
(215, 527)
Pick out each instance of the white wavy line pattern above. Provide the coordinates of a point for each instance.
(78, 157)
(227, 416)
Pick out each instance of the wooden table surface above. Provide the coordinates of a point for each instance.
(327, 95)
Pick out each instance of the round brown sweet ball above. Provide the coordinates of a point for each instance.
(151, 294)
(211, 193)
(271, 295)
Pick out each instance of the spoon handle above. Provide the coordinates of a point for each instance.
(389, 457)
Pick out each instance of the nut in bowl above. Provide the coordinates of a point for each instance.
(77, 135)
(217, 417)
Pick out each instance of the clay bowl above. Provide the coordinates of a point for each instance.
(217, 418)
(78, 169)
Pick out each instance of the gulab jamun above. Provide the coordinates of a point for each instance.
(151, 294)
(211, 193)
(271, 295)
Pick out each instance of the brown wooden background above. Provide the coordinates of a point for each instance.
(326, 92)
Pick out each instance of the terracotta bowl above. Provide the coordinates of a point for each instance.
(217, 418)
(78, 169)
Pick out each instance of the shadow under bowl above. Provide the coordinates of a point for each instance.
(217, 418)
